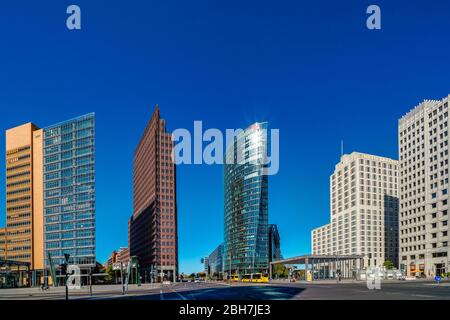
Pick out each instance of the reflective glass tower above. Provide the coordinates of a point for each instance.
(246, 203)
(69, 191)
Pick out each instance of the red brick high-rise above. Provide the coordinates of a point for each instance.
(153, 234)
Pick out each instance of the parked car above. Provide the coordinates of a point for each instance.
(390, 275)
(400, 276)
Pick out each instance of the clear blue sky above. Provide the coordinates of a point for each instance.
(311, 68)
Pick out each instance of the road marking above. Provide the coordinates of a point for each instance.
(446, 284)
(422, 295)
(179, 294)
(222, 284)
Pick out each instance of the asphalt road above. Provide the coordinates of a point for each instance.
(408, 290)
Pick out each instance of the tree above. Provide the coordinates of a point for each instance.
(109, 270)
(192, 276)
(388, 264)
(280, 271)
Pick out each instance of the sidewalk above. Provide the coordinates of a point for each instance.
(350, 281)
(322, 281)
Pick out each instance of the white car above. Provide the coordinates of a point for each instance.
(400, 276)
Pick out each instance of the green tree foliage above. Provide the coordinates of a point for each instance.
(280, 271)
(109, 270)
(388, 264)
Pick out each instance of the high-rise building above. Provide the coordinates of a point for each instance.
(50, 194)
(274, 243)
(215, 261)
(206, 266)
(246, 202)
(153, 234)
(24, 220)
(423, 160)
(320, 240)
(69, 191)
(364, 210)
(3, 243)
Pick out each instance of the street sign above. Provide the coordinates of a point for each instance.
(437, 279)
(116, 266)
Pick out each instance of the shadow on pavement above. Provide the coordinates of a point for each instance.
(224, 293)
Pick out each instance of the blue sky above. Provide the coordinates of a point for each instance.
(310, 68)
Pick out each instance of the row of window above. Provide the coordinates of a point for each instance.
(69, 226)
(70, 243)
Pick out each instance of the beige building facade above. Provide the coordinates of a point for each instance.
(3, 243)
(423, 162)
(363, 210)
(23, 221)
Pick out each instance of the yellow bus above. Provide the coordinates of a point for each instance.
(256, 278)
(247, 278)
(260, 277)
(234, 277)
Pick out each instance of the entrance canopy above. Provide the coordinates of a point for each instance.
(306, 259)
(325, 266)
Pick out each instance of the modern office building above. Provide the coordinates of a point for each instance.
(364, 210)
(50, 194)
(320, 239)
(423, 161)
(274, 243)
(246, 203)
(3, 243)
(24, 220)
(206, 266)
(69, 191)
(215, 262)
(153, 234)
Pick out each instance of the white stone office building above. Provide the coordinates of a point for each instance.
(423, 182)
(320, 240)
(364, 210)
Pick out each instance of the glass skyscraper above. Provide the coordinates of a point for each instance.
(69, 191)
(246, 203)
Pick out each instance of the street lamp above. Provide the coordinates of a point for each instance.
(64, 270)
